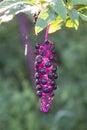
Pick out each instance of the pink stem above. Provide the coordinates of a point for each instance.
(47, 30)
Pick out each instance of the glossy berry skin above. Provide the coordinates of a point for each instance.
(39, 60)
(46, 90)
(52, 57)
(38, 87)
(54, 68)
(50, 75)
(44, 81)
(37, 76)
(52, 83)
(45, 73)
(39, 93)
(47, 64)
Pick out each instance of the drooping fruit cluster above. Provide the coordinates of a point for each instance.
(45, 73)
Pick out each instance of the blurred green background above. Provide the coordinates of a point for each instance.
(19, 106)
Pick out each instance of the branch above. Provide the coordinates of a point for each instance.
(27, 44)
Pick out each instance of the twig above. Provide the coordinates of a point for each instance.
(27, 44)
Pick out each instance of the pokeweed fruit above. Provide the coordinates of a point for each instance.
(45, 73)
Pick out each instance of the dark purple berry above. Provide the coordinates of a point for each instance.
(48, 64)
(37, 81)
(37, 45)
(52, 47)
(55, 87)
(51, 57)
(39, 93)
(52, 83)
(43, 81)
(46, 90)
(42, 52)
(47, 42)
(54, 52)
(55, 75)
(37, 75)
(39, 60)
(50, 75)
(51, 94)
(38, 87)
(54, 68)
(43, 71)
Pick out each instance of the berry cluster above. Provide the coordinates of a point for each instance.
(45, 73)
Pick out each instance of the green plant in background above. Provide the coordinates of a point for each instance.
(17, 99)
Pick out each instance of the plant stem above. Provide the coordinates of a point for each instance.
(27, 44)
(47, 31)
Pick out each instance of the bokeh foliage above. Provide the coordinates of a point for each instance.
(19, 107)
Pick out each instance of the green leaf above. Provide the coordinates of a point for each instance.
(74, 17)
(6, 3)
(56, 25)
(69, 23)
(83, 13)
(79, 2)
(47, 16)
(83, 17)
(60, 8)
(9, 8)
(42, 1)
